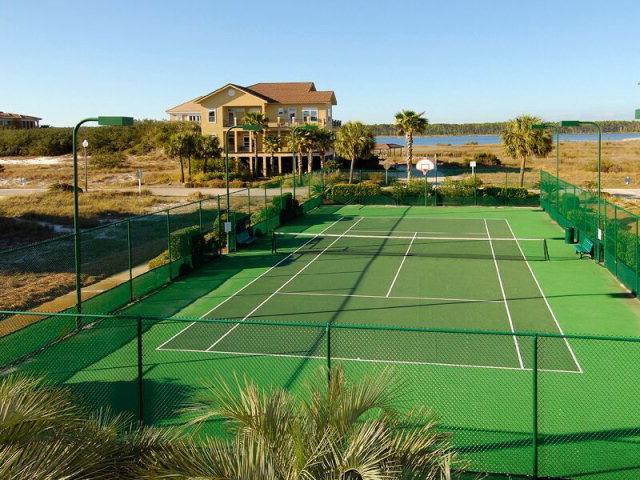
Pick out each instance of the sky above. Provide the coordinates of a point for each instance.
(457, 60)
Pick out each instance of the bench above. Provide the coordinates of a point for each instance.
(585, 248)
(245, 238)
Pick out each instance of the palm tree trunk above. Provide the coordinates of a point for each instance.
(181, 170)
(280, 165)
(300, 163)
(309, 161)
(264, 165)
(322, 153)
(204, 165)
(409, 138)
(353, 162)
(522, 166)
(189, 168)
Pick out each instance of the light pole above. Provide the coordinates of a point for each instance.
(85, 144)
(577, 123)
(248, 128)
(556, 130)
(293, 150)
(111, 121)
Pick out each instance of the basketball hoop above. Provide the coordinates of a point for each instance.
(425, 165)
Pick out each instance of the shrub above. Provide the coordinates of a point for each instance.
(332, 164)
(606, 166)
(195, 196)
(356, 191)
(108, 160)
(459, 188)
(62, 187)
(506, 192)
(484, 159)
(376, 177)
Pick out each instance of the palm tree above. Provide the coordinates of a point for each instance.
(206, 148)
(324, 140)
(308, 146)
(520, 141)
(340, 430)
(182, 145)
(410, 123)
(354, 140)
(259, 119)
(271, 144)
(297, 143)
(46, 434)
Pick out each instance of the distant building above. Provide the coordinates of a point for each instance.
(16, 120)
(286, 105)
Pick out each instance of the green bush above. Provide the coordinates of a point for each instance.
(459, 188)
(282, 202)
(505, 192)
(415, 188)
(108, 161)
(62, 187)
(356, 190)
(484, 159)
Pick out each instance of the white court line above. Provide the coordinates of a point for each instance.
(281, 287)
(404, 258)
(407, 231)
(504, 295)
(366, 360)
(573, 355)
(252, 281)
(462, 300)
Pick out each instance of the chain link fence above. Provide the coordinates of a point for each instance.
(613, 230)
(560, 415)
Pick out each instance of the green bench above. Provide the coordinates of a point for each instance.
(585, 248)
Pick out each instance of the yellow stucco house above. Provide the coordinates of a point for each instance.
(285, 105)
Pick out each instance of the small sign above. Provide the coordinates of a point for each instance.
(227, 227)
(425, 165)
(23, 181)
(139, 173)
(472, 164)
(627, 180)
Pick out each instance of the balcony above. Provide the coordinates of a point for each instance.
(283, 122)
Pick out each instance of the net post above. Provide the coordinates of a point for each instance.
(273, 243)
(169, 243)
(140, 373)
(130, 259)
(546, 249)
(328, 336)
(534, 406)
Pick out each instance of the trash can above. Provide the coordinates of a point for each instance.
(569, 235)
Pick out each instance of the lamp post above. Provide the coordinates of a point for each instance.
(293, 150)
(248, 128)
(111, 121)
(556, 130)
(577, 123)
(85, 144)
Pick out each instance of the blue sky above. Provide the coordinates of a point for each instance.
(458, 60)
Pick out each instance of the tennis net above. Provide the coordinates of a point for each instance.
(529, 249)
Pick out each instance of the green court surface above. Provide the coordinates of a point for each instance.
(346, 281)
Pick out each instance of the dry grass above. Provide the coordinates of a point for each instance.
(95, 207)
(576, 163)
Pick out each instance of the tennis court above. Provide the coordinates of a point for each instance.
(440, 273)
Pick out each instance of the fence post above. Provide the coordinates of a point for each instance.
(140, 373)
(534, 370)
(249, 202)
(219, 218)
(328, 335)
(200, 215)
(130, 259)
(169, 244)
(636, 256)
(309, 175)
(615, 237)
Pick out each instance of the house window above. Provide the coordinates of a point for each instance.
(179, 117)
(310, 114)
(281, 112)
(192, 117)
(246, 142)
(292, 113)
(212, 116)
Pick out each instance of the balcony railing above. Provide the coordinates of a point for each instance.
(283, 122)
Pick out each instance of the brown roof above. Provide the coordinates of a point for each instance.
(17, 116)
(293, 92)
(383, 146)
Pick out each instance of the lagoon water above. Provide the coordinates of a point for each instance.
(495, 139)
